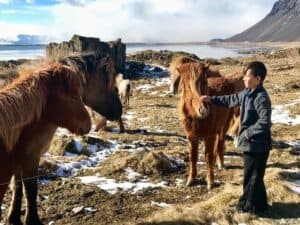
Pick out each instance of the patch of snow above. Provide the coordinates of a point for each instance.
(128, 115)
(3, 206)
(62, 132)
(154, 93)
(69, 154)
(89, 209)
(112, 186)
(295, 144)
(143, 119)
(294, 187)
(144, 87)
(131, 174)
(178, 181)
(280, 115)
(160, 204)
(78, 145)
(98, 155)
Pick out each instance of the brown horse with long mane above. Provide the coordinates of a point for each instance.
(236, 78)
(52, 93)
(99, 94)
(203, 121)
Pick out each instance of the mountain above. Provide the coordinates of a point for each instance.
(26, 39)
(281, 24)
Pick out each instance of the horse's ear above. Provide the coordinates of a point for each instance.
(175, 85)
(206, 66)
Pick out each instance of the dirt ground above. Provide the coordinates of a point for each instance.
(156, 127)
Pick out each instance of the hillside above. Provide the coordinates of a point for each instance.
(281, 24)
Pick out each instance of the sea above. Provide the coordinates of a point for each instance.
(14, 52)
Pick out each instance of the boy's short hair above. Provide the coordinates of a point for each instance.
(257, 69)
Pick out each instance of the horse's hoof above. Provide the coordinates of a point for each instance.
(15, 222)
(209, 187)
(35, 222)
(190, 182)
(221, 167)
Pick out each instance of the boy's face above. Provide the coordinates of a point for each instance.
(251, 81)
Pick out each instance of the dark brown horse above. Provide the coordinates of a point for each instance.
(203, 121)
(53, 93)
(99, 94)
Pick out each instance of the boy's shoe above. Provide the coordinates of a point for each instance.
(239, 208)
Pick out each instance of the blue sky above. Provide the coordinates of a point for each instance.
(131, 20)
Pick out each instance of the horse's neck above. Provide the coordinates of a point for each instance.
(20, 104)
(36, 137)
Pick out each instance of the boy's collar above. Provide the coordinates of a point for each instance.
(251, 92)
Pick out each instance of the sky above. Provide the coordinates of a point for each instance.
(130, 20)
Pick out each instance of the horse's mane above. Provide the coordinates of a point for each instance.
(23, 100)
(91, 63)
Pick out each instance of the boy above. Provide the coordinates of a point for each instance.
(254, 134)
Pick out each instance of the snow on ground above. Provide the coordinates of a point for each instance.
(99, 154)
(281, 115)
(112, 186)
(294, 186)
(160, 204)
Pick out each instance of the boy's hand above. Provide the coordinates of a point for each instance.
(205, 98)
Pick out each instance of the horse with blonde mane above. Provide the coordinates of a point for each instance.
(98, 93)
(203, 121)
(52, 93)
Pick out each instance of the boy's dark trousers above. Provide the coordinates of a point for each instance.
(254, 198)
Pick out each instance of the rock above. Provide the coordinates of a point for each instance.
(61, 145)
(212, 61)
(294, 85)
(280, 144)
(157, 163)
(77, 210)
(79, 44)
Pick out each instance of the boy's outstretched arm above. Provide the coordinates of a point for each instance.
(225, 100)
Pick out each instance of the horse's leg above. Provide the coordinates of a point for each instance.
(220, 151)
(3, 188)
(8, 167)
(236, 127)
(14, 214)
(29, 172)
(101, 125)
(193, 157)
(121, 125)
(209, 158)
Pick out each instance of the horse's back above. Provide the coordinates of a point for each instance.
(220, 86)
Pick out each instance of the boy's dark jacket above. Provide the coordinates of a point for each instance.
(255, 112)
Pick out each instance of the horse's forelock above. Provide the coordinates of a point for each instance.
(70, 77)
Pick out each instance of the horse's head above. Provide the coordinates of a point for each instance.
(193, 79)
(65, 107)
(99, 90)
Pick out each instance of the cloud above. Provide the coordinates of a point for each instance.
(76, 2)
(151, 20)
(10, 32)
(5, 2)
(9, 11)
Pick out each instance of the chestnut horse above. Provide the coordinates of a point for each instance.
(203, 121)
(176, 63)
(99, 94)
(235, 77)
(52, 93)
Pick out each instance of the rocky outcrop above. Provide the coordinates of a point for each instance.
(281, 24)
(80, 44)
(162, 57)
